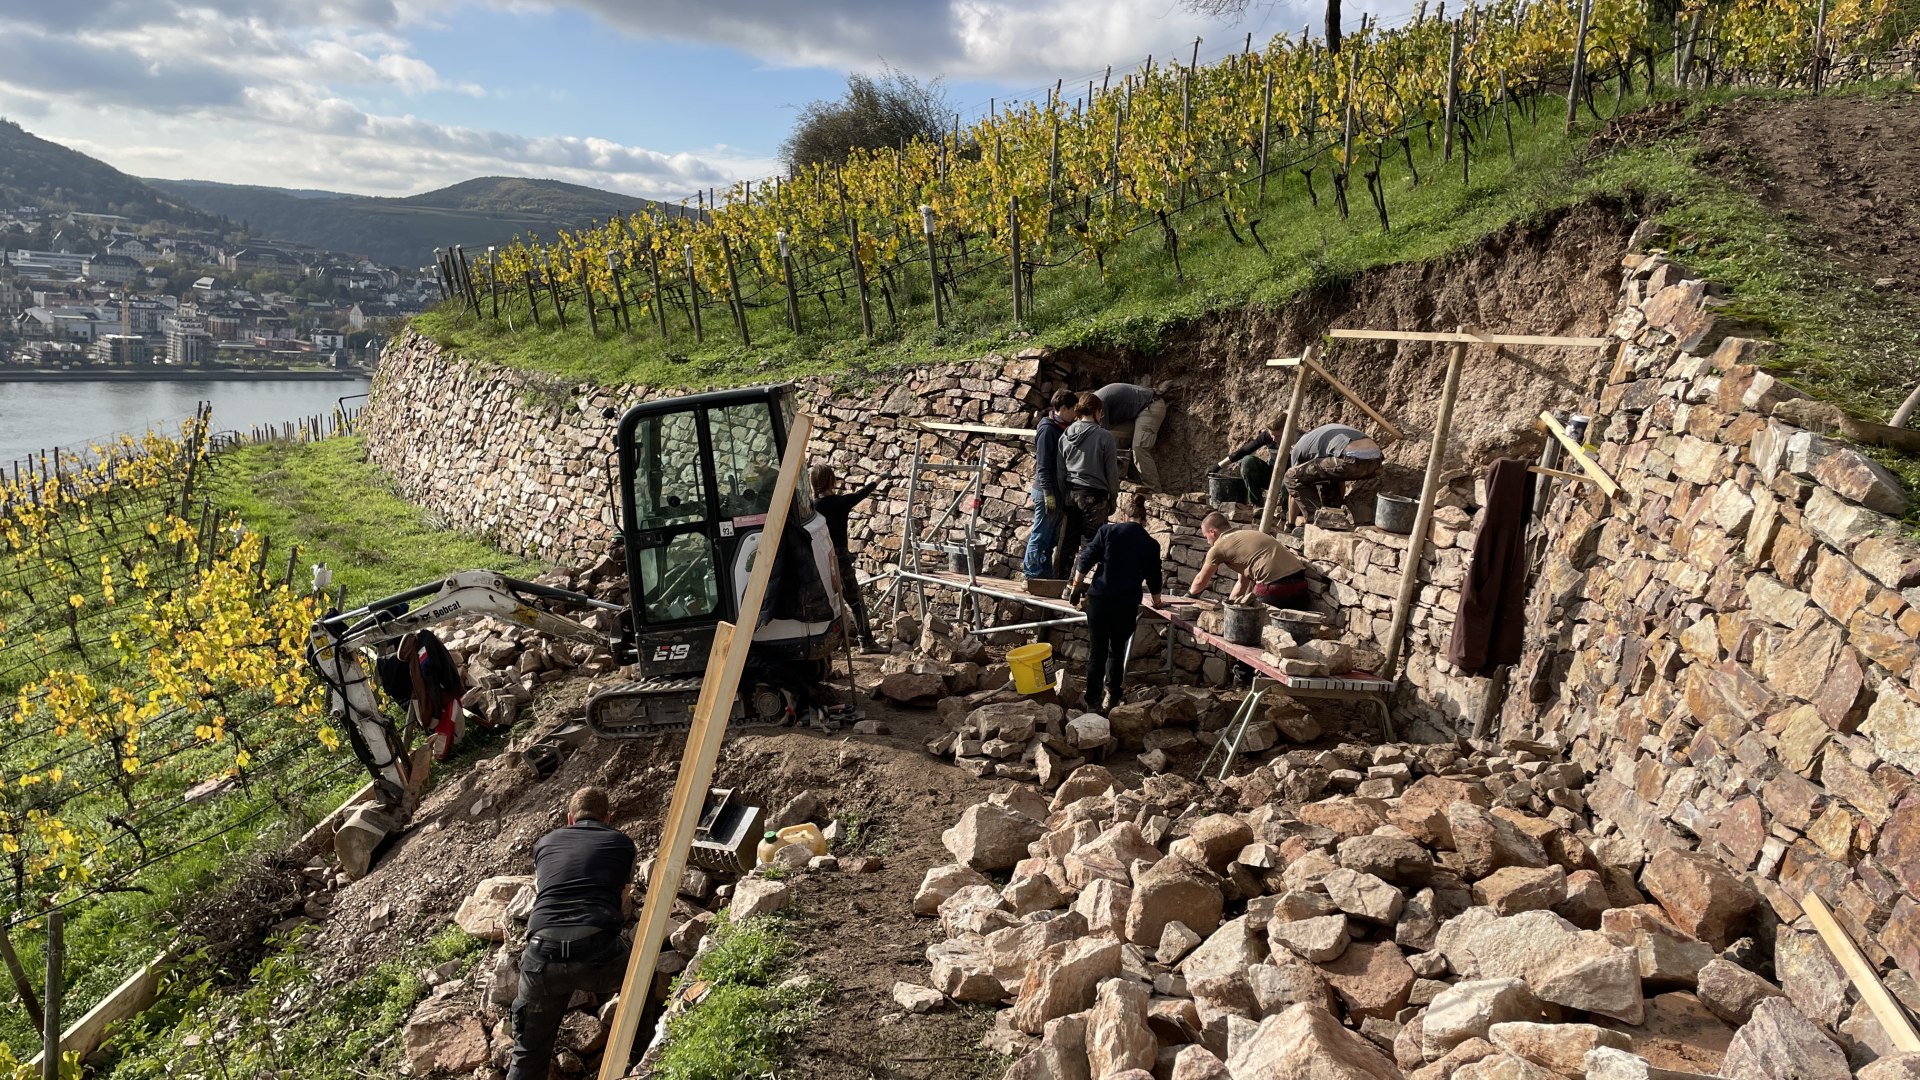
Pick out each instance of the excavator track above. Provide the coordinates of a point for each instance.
(662, 706)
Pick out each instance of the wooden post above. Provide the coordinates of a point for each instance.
(56, 989)
(21, 985)
(1819, 45)
(933, 265)
(659, 303)
(860, 278)
(493, 280)
(1423, 518)
(533, 301)
(619, 292)
(1266, 130)
(786, 275)
(1866, 981)
(693, 298)
(1579, 60)
(1287, 434)
(1453, 95)
(733, 286)
(717, 692)
(586, 292)
(1683, 57)
(1013, 235)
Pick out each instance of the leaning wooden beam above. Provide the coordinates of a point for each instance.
(1308, 360)
(130, 999)
(974, 429)
(1281, 452)
(1893, 1021)
(1579, 454)
(1423, 516)
(725, 665)
(1476, 339)
(1558, 474)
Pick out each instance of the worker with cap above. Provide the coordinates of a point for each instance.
(584, 891)
(1323, 462)
(1262, 565)
(1134, 414)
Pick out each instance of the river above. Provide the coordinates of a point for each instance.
(37, 416)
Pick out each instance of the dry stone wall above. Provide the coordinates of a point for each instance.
(1729, 647)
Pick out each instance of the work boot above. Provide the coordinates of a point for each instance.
(870, 647)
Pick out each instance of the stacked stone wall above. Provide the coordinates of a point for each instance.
(1729, 646)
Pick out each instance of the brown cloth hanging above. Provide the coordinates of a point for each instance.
(1490, 627)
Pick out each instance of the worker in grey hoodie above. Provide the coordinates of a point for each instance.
(1093, 482)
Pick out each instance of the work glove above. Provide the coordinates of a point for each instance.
(1052, 504)
(1079, 595)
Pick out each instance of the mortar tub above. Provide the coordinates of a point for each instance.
(1241, 623)
(1395, 513)
(1226, 488)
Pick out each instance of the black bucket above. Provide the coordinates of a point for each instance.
(957, 561)
(1241, 623)
(1226, 488)
(1395, 513)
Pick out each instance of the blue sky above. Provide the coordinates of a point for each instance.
(649, 97)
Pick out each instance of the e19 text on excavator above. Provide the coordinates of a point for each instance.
(695, 476)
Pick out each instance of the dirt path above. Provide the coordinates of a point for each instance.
(1846, 166)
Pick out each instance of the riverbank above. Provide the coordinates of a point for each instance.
(222, 374)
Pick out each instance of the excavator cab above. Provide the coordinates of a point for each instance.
(696, 479)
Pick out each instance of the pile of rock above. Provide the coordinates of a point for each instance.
(502, 662)
(1363, 913)
(998, 733)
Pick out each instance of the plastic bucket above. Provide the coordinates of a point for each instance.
(1032, 667)
(957, 561)
(1395, 513)
(1241, 623)
(1226, 488)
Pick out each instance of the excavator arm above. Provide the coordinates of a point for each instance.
(335, 644)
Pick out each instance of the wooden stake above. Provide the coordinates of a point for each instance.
(1453, 95)
(1266, 130)
(733, 286)
(1893, 1020)
(722, 684)
(1287, 434)
(1579, 60)
(693, 299)
(21, 984)
(1308, 361)
(1013, 237)
(56, 990)
(1423, 517)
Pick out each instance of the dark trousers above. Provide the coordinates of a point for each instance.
(549, 975)
(1323, 481)
(1110, 624)
(1288, 592)
(856, 600)
(1085, 512)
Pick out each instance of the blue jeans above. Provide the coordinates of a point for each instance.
(1041, 539)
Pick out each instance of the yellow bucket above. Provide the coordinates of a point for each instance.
(1032, 667)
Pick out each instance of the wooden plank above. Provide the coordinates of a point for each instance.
(1579, 454)
(1558, 474)
(1347, 393)
(1893, 1020)
(727, 662)
(1475, 339)
(130, 999)
(1284, 361)
(974, 429)
(1269, 512)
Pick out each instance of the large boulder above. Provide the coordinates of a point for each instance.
(1061, 1055)
(1014, 721)
(757, 896)
(1392, 858)
(1371, 978)
(444, 1037)
(1307, 1043)
(1893, 1067)
(1469, 1009)
(1014, 950)
(913, 687)
(942, 882)
(1561, 1048)
(1230, 950)
(1118, 1037)
(963, 969)
(989, 837)
(1730, 991)
(1064, 980)
(1363, 896)
(1563, 964)
(1213, 841)
(1486, 841)
(484, 913)
(1422, 810)
(1699, 894)
(1780, 1044)
(1318, 939)
(1083, 782)
(1172, 890)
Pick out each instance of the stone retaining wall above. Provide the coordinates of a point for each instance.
(1729, 647)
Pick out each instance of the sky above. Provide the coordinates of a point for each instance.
(656, 98)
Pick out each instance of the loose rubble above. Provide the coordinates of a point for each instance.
(1469, 923)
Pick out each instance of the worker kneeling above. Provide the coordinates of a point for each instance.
(1263, 565)
(584, 878)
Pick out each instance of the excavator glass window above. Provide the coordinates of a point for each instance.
(678, 579)
(669, 490)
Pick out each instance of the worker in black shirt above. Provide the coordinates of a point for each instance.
(1255, 470)
(837, 509)
(584, 882)
(1129, 561)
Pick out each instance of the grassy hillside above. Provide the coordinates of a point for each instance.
(36, 172)
(404, 232)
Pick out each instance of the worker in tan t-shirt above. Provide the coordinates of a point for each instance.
(1264, 566)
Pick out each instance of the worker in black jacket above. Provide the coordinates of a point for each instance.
(1128, 558)
(584, 883)
(1049, 485)
(1255, 470)
(837, 509)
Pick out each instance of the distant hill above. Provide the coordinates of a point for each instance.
(35, 172)
(404, 231)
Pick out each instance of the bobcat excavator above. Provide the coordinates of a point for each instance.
(695, 477)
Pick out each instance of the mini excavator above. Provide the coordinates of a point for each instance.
(695, 478)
